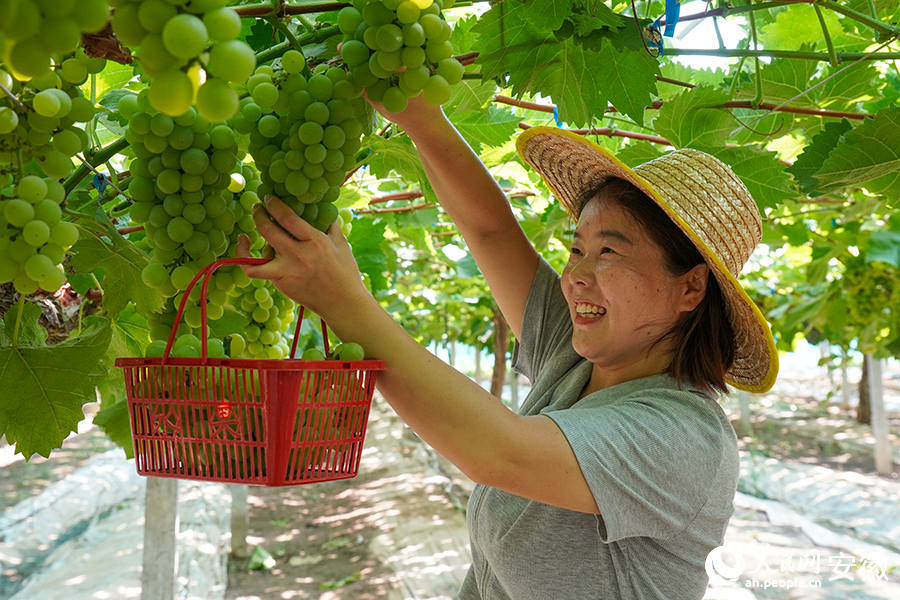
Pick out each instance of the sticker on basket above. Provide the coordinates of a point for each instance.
(223, 411)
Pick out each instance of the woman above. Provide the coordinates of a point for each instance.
(617, 477)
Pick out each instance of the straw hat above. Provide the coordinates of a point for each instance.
(707, 201)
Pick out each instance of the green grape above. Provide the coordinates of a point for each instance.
(265, 95)
(349, 19)
(48, 211)
(74, 71)
(412, 57)
(185, 36)
(451, 70)
(312, 354)
(351, 351)
(9, 120)
(36, 233)
(32, 189)
(154, 274)
(292, 62)
(389, 38)
(154, 14)
(54, 280)
(23, 283)
(437, 91)
(46, 104)
(216, 100)
(18, 212)
(30, 58)
(172, 93)
(232, 61)
(437, 51)
(156, 348)
(320, 88)
(39, 267)
(194, 161)
(222, 24)
(413, 35)
(179, 230)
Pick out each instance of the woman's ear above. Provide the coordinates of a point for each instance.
(694, 287)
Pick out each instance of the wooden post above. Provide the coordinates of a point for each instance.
(845, 382)
(160, 530)
(478, 373)
(240, 521)
(453, 353)
(514, 389)
(879, 418)
(746, 425)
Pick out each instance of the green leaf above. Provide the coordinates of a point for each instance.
(671, 69)
(123, 265)
(112, 77)
(594, 16)
(798, 25)
(867, 153)
(884, 247)
(695, 119)
(367, 239)
(30, 331)
(45, 388)
(114, 421)
(628, 76)
(260, 559)
(492, 128)
(111, 118)
(230, 322)
(547, 14)
(130, 337)
(637, 153)
(398, 154)
(536, 63)
(814, 155)
(467, 267)
(784, 79)
(763, 174)
(469, 95)
(845, 89)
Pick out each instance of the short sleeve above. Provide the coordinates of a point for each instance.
(649, 460)
(546, 325)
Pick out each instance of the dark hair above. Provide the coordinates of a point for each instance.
(702, 340)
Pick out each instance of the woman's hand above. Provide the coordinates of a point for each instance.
(317, 270)
(419, 118)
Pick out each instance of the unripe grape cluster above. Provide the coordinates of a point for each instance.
(178, 37)
(271, 315)
(303, 135)
(35, 34)
(398, 49)
(41, 121)
(33, 238)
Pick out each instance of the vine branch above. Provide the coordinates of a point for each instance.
(608, 132)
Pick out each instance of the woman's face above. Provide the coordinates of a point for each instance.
(621, 297)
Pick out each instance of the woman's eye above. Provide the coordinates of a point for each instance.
(605, 250)
(574, 251)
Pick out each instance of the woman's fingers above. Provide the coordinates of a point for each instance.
(288, 219)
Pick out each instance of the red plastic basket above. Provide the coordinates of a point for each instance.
(258, 422)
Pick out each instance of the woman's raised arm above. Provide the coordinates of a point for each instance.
(476, 204)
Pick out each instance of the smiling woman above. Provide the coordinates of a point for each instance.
(616, 477)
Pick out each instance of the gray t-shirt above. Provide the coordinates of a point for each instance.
(662, 463)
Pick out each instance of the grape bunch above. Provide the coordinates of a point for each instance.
(176, 39)
(42, 119)
(271, 316)
(37, 35)
(398, 49)
(33, 238)
(303, 135)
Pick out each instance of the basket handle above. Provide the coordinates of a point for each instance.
(206, 272)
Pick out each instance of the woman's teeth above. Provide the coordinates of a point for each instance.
(589, 310)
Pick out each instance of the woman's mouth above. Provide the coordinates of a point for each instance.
(590, 311)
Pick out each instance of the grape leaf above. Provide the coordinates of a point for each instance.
(548, 14)
(398, 154)
(814, 154)
(469, 94)
(784, 79)
(693, 119)
(113, 76)
(629, 78)
(671, 69)
(116, 424)
(637, 153)
(467, 267)
(847, 88)
(798, 25)
(123, 265)
(367, 239)
(594, 16)
(45, 388)
(129, 336)
(535, 62)
(30, 331)
(765, 177)
(492, 128)
(867, 153)
(884, 247)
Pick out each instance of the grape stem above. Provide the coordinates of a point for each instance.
(131, 229)
(613, 133)
(15, 339)
(13, 98)
(97, 283)
(262, 10)
(280, 26)
(101, 156)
